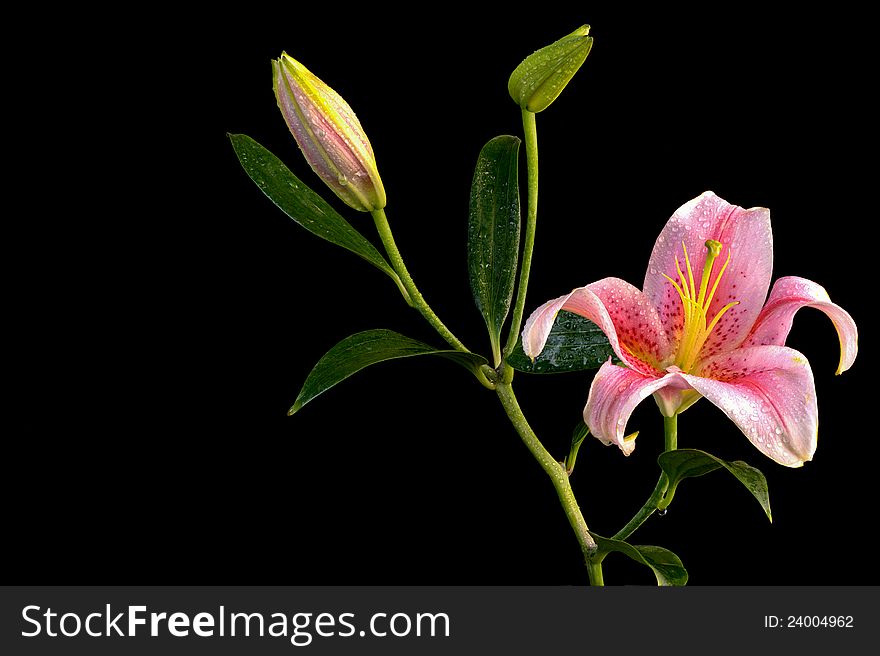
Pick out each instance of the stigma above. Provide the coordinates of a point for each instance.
(696, 298)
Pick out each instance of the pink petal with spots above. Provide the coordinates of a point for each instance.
(745, 235)
(768, 392)
(788, 296)
(614, 394)
(620, 310)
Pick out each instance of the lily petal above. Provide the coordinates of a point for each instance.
(788, 296)
(745, 235)
(620, 310)
(614, 394)
(769, 393)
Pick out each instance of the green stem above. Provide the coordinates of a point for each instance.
(670, 433)
(594, 569)
(670, 443)
(645, 511)
(415, 297)
(554, 470)
(531, 138)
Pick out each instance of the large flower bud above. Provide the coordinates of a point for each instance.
(329, 135)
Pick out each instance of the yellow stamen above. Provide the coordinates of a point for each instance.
(695, 304)
(718, 316)
(683, 289)
(677, 288)
(693, 288)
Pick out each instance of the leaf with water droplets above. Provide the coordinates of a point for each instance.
(302, 204)
(574, 344)
(493, 233)
(667, 567)
(688, 463)
(370, 347)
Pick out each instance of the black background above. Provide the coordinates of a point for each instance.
(165, 313)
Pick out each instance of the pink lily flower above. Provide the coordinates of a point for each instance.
(700, 328)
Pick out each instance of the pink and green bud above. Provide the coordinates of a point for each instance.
(329, 134)
(542, 76)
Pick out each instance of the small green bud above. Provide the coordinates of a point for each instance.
(542, 76)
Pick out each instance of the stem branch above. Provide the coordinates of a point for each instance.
(645, 511)
(531, 138)
(670, 442)
(415, 297)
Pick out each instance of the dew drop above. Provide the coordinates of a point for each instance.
(662, 512)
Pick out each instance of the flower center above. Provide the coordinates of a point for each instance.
(695, 304)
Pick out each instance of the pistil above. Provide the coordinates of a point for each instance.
(695, 304)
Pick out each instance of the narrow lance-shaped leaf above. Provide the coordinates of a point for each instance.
(493, 233)
(574, 344)
(667, 567)
(363, 349)
(687, 463)
(302, 204)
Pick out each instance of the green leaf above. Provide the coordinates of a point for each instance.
(574, 344)
(363, 349)
(687, 463)
(302, 204)
(666, 565)
(493, 233)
